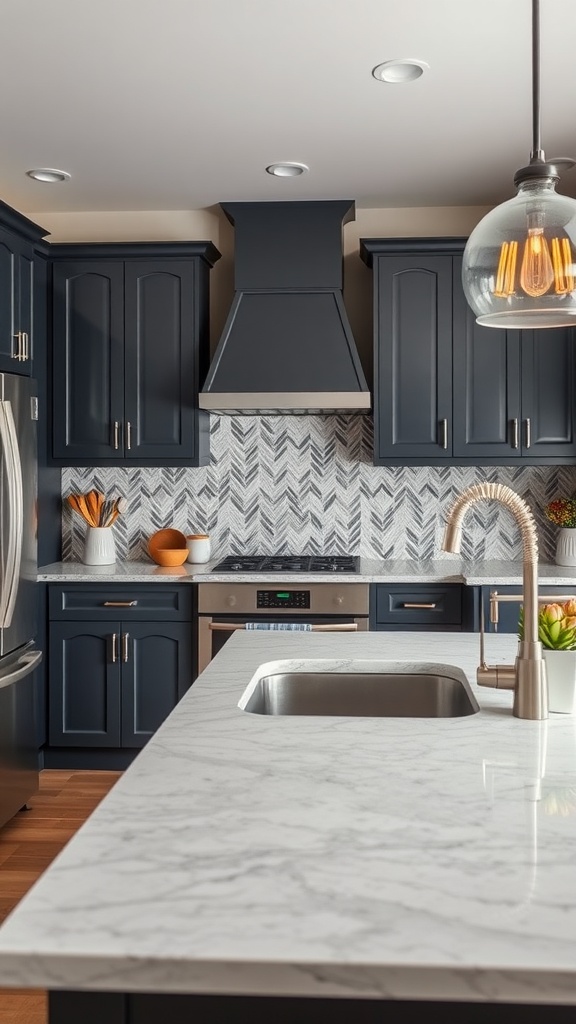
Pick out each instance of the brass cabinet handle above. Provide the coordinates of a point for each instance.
(128, 435)
(119, 604)
(528, 433)
(419, 604)
(515, 438)
(125, 637)
(116, 435)
(114, 648)
(444, 433)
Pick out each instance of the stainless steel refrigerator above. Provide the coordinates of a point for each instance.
(18, 593)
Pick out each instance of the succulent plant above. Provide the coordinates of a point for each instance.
(556, 626)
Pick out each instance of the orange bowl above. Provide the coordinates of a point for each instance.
(170, 556)
(164, 539)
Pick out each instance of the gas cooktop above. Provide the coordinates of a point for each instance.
(288, 563)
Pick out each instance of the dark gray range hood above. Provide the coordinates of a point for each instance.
(287, 346)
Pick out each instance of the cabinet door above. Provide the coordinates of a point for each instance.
(509, 611)
(156, 671)
(548, 392)
(16, 297)
(84, 684)
(88, 360)
(161, 337)
(413, 358)
(486, 385)
(24, 303)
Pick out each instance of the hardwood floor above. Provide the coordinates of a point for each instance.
(28, 844)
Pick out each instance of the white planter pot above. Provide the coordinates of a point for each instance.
(99, 546)
(566, 546)
(561, 674)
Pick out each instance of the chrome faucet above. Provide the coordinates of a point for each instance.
(527, 677)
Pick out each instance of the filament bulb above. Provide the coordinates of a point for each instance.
(536, 272)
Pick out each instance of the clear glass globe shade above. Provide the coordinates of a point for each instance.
(536, 203)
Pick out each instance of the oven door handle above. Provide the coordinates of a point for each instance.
(338, 627)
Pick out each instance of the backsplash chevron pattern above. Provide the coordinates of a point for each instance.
(305, 485)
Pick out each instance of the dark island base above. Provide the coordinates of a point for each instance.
(142, 1008)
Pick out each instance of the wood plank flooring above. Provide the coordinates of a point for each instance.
(28, 844)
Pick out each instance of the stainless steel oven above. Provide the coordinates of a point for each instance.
(226, 607)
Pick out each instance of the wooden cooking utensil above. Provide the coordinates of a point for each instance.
(85, 510)
(92, 505)
(73, 502)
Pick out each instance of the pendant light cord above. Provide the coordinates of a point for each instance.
(537, 152)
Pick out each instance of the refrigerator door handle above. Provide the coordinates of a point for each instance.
(27, 663)
(15, 492)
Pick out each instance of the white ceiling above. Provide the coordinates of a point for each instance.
(180, 104)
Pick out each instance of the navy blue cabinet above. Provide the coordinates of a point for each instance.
(426, 607)
(449, 391)
(129, 353)
(116, 671)
(509, 611)
(18, 237)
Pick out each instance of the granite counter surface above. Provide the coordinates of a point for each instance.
(335, 857)
(445, 570)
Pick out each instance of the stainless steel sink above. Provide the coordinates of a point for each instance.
(394, 694)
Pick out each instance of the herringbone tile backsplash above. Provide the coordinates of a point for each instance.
(305, 485)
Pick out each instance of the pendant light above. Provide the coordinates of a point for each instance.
(519, 266)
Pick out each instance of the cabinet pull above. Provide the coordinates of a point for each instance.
(443, 433)
(125, 637)
(119, 604)
(515, 438)
(419, 604)
(18, 353)
(128, 435)
(528, 433)
(114, 648)
(25, 345)
(116, 435)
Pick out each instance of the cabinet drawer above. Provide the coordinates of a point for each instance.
(156, 601)
(414, 605)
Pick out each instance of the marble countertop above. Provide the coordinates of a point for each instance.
(445, 570)
(338, 857)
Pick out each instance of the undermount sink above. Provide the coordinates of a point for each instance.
(403, 691)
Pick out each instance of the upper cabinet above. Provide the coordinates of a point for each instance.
(129, 351)
(18, 237)
(448, 391)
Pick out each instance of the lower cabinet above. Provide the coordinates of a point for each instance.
(509, 611)
(113, 684)
(430, 607)
(118, 665)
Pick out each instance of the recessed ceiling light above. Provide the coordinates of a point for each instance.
(396, 72)
(287, 170)
(48, 174)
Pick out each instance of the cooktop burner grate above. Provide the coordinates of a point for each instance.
(288, 563)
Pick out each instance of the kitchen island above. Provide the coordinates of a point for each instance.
(310, 868)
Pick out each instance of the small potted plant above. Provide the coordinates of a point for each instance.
(562, 512)
(557, 634)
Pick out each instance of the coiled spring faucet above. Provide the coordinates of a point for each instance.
(527, 677)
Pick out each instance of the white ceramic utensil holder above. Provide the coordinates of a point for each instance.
(99, 546)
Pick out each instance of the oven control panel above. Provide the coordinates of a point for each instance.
(283, 599)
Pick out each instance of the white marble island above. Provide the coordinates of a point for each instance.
(329, 859)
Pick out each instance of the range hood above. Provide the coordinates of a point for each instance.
(287, 346)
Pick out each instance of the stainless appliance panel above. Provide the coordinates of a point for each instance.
(18, 512)
(237, 603)
(18, 737)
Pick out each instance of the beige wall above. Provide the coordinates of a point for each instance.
(211, 224)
